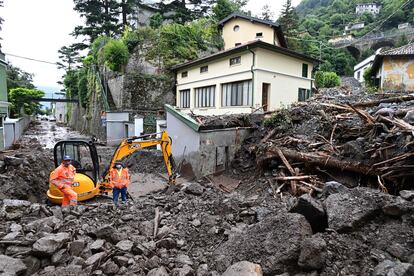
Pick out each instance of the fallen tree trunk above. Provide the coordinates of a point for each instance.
(400, 99)
(318, 160)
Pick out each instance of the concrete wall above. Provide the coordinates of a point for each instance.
(282, 72)
(60, 112)
(118, 127)
(397, 73)
(208, 152)
(14, 129)
(246, 33)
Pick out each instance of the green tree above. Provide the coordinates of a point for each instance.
(83, 87)
(267, 13)
(156, 20)
(327, 79)
(115, 54)
(101, 18)
(288, 19)
(224, 8)
(23, 98)
(70, 82)
(182, 11)
(17, 78)
(69, 57)
(402, 41)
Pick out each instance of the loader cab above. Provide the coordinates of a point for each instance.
(84, 156)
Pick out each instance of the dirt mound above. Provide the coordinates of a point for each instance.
(24, 173)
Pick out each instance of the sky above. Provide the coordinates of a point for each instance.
(38, 29)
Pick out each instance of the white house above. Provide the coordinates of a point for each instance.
(360, 68)
(373, 8)
(255, 71)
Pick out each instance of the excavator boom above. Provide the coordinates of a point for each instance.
(130, 145)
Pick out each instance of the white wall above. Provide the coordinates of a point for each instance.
(14, 129)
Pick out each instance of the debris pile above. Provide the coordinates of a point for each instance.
(229, 121)
(24, 173)
(198, 230)
(360, 141)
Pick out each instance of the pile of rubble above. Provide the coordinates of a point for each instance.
(24, 172)
(198, 230)
(355, 140)
(229, 121)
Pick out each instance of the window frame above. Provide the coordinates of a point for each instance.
(305, 93)
(204, 67)
(185, 101)
(259, 35)
(208, 96)
(182, 74)
(235, 58)
(305, 73)
(237, 94)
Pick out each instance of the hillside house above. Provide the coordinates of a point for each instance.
(373, 8)
(4, 104)
(394, 69)
(254, 71)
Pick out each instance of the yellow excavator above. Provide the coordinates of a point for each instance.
(87, 183)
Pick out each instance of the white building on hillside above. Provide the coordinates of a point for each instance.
(372, 8)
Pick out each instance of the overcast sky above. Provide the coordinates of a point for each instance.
(38, 29)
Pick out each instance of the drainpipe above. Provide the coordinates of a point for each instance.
(252, 70)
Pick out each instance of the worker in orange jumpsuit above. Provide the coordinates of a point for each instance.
(62, 177)
(119, 180)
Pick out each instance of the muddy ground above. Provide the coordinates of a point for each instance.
(198, 229)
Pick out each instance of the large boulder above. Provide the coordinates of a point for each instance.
(49, 244)
(390, 268)
(244, 268)
(193, 188)
(14, 209)
(273, 242)
(313, 211)
(11, 266)
(348, 211)
(313, 253)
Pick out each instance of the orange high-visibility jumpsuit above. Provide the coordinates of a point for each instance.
(62, 177)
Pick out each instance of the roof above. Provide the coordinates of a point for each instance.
(272, 24)
(245, 47)
(250, 18)
(404, 51)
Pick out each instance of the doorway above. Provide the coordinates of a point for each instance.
(265, 96)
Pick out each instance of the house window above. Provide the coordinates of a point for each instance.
(237, 93)
(304, 70)
(184, 74)
(205, 96)
(185, 98)
(304, 94)
(237, 44)
(358, 75)
(259, 35)
(235, 60)
(204, 69)
(236, 28)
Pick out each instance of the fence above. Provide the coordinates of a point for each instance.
(14, 129)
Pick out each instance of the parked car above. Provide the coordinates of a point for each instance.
(52, 118)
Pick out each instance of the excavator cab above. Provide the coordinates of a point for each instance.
(86, 161)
